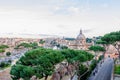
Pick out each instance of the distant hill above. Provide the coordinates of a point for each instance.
(18, 35)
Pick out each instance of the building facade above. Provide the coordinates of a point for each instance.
(79, 43)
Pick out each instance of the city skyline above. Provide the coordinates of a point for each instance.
(60, 17)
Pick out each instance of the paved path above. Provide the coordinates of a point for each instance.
(104, 72)
(14, 55)
(5, 74)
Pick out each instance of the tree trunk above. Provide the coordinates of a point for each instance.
(46, 77)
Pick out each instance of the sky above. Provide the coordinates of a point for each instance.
(59, 17)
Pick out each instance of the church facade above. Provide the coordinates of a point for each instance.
(79, 43)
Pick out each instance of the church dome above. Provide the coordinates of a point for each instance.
(80, 36)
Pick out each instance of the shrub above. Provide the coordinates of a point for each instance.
(117, 69)
(4, 46)
(8, 53)
(93, 64)
(4, 64)
(2, 50)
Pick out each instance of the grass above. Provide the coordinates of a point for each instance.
(117, 69)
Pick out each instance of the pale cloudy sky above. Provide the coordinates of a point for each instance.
(60, 17)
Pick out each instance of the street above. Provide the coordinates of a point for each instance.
(15, 55)
(104, 70)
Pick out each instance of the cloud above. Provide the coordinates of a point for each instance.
(65, 19)
(88, 30)
(105, 5)
(61, 26)
(74, 10)
(57, 8)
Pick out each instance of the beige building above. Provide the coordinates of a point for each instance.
(79, 43)
(111, 52)
(12, 42)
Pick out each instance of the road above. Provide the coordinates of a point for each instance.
(104, 70)
(14, 55)
(75, 77)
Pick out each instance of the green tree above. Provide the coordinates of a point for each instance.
(82, 70)
(41, 60)
(104, 44)
(2, 50)
(34, 45)
(21, 71)
(88, 40)
(4, 46)
(26, 45)
(4, 64)
(96, 49)
(113, 38)
(8, 53)
(41, 41)
(76, 57)
(64, 47)
(93, 64)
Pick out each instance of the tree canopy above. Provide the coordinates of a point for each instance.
(101, 42)
(42, 62)
(41, 41)
(97, 48)
(28, 45)
(4, 46)
(113, 38)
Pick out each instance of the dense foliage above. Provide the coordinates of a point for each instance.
(113, 38)
(8, 53)
(2, 50)
(41, 41)
(117, 69)
(4, 64)
(42, 62)
(101, 42)
(93, 64)
(88, 40)
(82, 70)
(97, 48)
(76, 55)
(4, 46)
(63, 47)
(28, 45)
